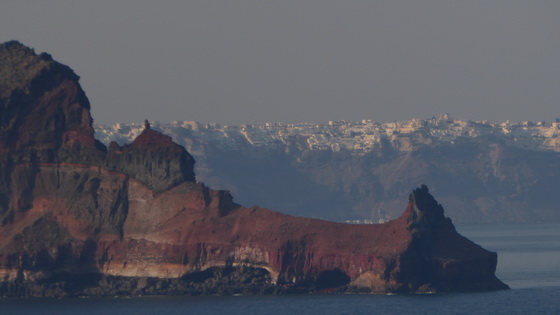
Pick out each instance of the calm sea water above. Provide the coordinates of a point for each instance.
(528, 261)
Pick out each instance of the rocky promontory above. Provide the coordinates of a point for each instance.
(79, 218)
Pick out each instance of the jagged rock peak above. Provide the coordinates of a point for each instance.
(424, 211)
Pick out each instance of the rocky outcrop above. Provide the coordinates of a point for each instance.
(154, 159)
(78, 218)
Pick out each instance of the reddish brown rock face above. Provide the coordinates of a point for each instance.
(78, 218)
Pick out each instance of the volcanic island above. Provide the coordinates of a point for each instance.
(79, 218)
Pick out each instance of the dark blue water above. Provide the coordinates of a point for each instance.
(528, 261)
(528, 255)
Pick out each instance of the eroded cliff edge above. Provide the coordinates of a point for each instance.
(78, 218)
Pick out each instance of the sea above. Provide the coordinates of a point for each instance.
(528, 261)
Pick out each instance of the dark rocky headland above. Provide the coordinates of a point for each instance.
(79, 218)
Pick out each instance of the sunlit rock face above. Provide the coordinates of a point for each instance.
(78, 218)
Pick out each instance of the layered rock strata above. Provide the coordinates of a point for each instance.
(78, 218)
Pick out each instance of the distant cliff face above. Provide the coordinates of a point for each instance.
(504, 173)
(78, 218)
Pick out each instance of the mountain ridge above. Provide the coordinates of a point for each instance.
(505, 173)
(358, 137)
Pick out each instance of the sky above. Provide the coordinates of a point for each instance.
(241, 61)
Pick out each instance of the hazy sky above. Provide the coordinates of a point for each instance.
(240, 61)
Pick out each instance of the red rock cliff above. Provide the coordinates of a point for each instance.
(80, 219)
